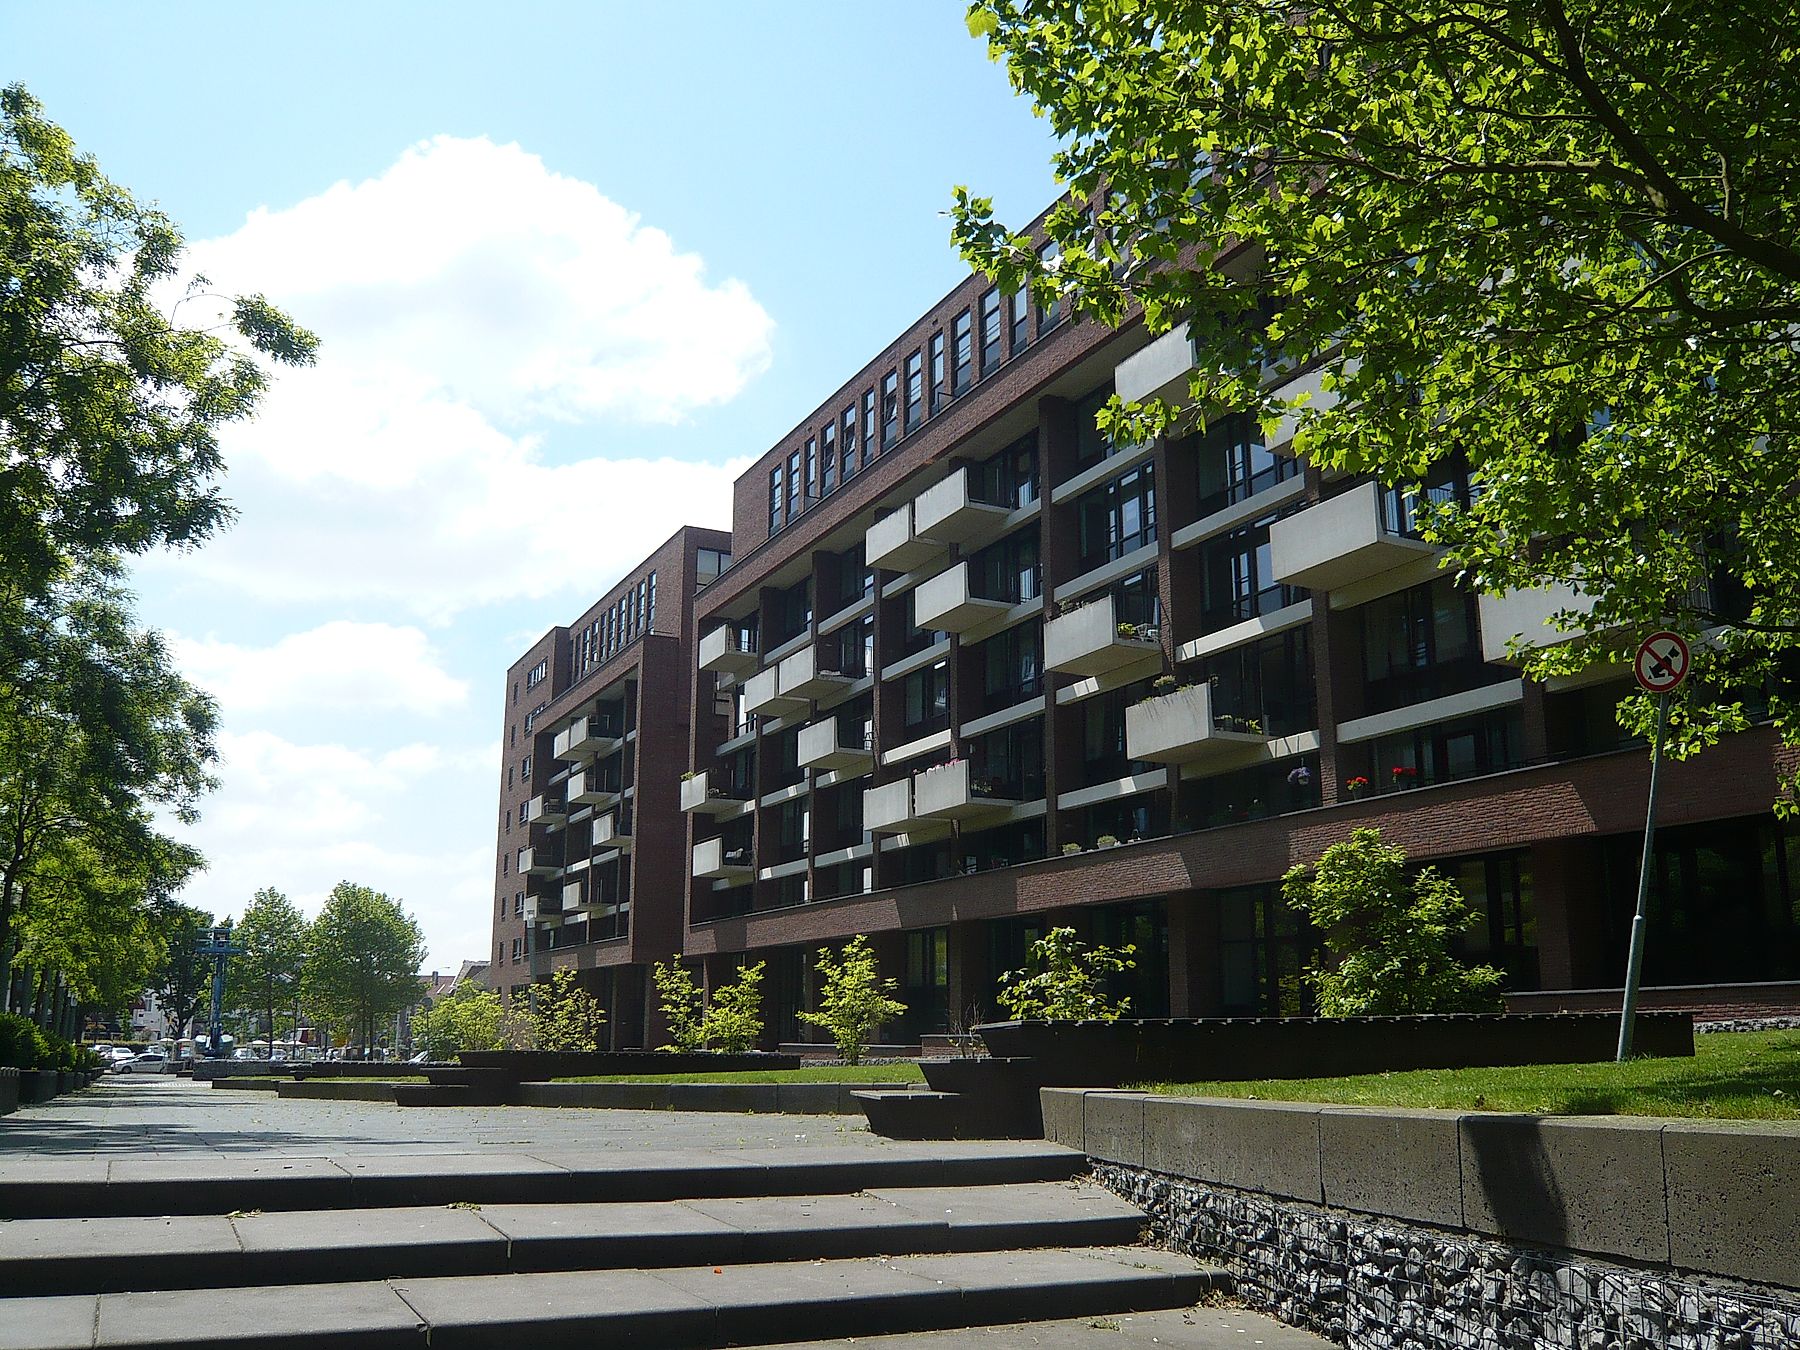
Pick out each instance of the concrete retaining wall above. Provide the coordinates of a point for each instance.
(9, 1091)
(1712, 1197)
(812, 1099)
(336, 1090)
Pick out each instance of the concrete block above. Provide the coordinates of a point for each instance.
(1064, 1118)
(1114, 1125)
(1404, 1164)
(1271, 1147)
(51, 1323)
(1593, 1184)
(755, 1097)
(808, 1099)
(1733, 1190)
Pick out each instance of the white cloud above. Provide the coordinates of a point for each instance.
(372, 666)
(468, 300)
(302, 817)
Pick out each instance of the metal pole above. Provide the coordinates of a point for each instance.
(1634, 963)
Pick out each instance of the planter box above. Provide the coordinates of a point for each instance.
(1106, 1054)
(9, 1091)
(540, 1066)
(36, 1085)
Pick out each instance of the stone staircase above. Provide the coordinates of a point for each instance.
(703, 1248)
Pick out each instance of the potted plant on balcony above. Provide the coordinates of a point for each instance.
(1106, 841)
(1163, 685)
(1403, 776)
(1070, 850)
(1357, 787)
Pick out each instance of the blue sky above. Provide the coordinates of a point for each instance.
(572, 264)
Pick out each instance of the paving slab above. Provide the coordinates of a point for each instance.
(618, 1233)
(564, 1308)
(49, 1323)
(387, 1179)
(290, 1317)
(365, 1244)
(1012, 1286)
(794, 1228)
(176, 1186)
(1065, 1210)
(859, 1297)
(1201, 1328)
(98, 1255)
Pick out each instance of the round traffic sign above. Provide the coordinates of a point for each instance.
(1662, 662)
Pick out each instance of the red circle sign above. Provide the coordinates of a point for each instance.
(1662, 662)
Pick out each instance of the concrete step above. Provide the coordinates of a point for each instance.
(946, 1115)
(706, 1305)
(1208, 1327)
(38, 1187)
(106, 1255)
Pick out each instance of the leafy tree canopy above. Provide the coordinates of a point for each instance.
(364, 961)
(854, 999)
(1558, 240)
(1064, 980)
(110, 405)
(1389, 934)
(273, 934)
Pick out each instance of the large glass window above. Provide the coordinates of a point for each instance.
(794, 485)
(1234, 463)
(852, 454)
(937, 371)
(1421, 644)
(828, 458)
(852, 648)
(1446, 751)
(1007, 570)
(1504, 930)
(1236, 577)
(926, 990)
(1256, 793)
(1019, 309)
(1265, 688)
(926, 699)
(1009, 478)
(1012, 665)
(1264, 946)
(1051, 314)
(990, 329)
(777, 517)
(915, 391)
(1117, 518)
(1103, 734)
(1010, 761)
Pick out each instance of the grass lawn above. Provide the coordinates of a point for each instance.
(1752, 1075)
(825, 1073)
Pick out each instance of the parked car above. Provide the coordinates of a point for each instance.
(150, 1061)
(119, 1057)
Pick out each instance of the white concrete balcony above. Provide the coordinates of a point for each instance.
(953, 791)
(613, 830)
(1160, 370)
(532, 909)
(586, 737)
(1522, 619)
(1340, 542)
(571, 896)
(763, 696)
(889, 809)
(826, 746)
(950, 513)
(1091, 640)
(545, 809)
(725, 649)
(1181, 728)
(947, 602)
(540, 862)
(891, 543)
(708, 794)
(802, 678)
(589, 787)
(714, 862)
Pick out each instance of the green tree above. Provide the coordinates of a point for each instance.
(1559, 241)
(854, 1001)
(734, 1018)
(182, 980)
(1388, 934)
(364, 961)
(469, 1017)
(683, 1006)
(1064, 980)
(564, 1016)
(109, 406)
(273, 934)
(98, 732)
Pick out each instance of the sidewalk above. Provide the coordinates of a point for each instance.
(167, 1116)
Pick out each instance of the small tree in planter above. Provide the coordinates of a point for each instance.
(853, 998)
(683, 1006)
(1063, 980)
(1388, 933)
(733, 1021)
(565, 1016)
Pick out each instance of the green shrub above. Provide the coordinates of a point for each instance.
(854, 1000)
(567, 1017)
(26, 1045)
(1388, 935)
(1063, 980)
(731, 1022)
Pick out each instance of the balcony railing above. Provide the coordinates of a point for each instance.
(888, 809)
(1340, 542)
(953, 512)
(613, 830)
(803, 677)
(954, 791)
(709, 795)
(591, 788)
(763, 695)
(586, 737)
(1523, 618)
(545, 810)
(1183, 728)
(1096, 638)
(714, 861)
(726, 648)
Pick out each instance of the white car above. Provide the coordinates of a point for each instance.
(119, 1056)
(151, 1061)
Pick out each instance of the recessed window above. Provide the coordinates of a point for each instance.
(812, 468)
(851, 454)
(962, 352)
(538, 674)
(890, 408)
(794, 485)
(1019, 309)
(1051, 314)
(828, 459)
(990, 330)
(915, 391)
(937, 371)
(776, 498)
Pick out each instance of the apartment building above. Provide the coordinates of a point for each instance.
(976, 670)
(592, 854)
